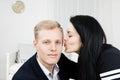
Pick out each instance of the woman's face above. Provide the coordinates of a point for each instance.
(72, 40)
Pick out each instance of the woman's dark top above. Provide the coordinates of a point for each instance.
(108, 64)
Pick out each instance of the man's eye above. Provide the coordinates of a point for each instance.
(58, 42)
(45, 42)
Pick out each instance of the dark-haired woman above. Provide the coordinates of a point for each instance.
(97, 60)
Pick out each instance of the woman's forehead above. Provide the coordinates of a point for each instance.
(70, 28)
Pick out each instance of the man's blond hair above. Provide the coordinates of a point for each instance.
(46, 24)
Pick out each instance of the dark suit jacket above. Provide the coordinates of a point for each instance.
(31, 70)
(69, 67)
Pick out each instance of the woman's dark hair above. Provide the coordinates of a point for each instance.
(93, 37)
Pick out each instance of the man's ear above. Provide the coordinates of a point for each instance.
(35, 43)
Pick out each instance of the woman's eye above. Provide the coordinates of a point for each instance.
(70, 36)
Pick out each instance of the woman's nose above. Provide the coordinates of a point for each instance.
(65, 37)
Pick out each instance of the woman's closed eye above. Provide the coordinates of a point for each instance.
(69, 36)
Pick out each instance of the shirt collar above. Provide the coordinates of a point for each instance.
(46, 71)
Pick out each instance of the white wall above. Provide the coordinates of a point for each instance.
(108, 14)
(18, 28)
(116, 22)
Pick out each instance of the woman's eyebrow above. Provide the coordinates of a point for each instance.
(68, 31)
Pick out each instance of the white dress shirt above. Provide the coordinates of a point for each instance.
(50, 76)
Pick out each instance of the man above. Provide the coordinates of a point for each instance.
(48, 44)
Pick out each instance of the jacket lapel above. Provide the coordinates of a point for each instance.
(37, 70)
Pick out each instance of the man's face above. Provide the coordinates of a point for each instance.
(49, 46)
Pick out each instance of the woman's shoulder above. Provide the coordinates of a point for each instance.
(109, 61)
(108, 50)
(110, 54)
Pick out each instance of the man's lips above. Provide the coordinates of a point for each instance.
(52, 55)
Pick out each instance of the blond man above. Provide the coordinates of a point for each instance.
(48, 44)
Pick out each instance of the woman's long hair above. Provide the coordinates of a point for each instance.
(93, 37)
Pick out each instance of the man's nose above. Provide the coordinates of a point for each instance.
(53, 46)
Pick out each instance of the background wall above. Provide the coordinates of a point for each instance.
(18, 28)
